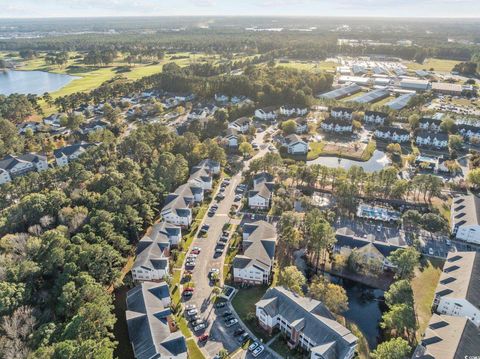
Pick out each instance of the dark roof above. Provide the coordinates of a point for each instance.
(311, 317)
(343, 109)
(70, 150)
(376, 113)
(349, 240)
(430, 121)
(337, 121)
(10, 161)
(293, 139)
(243, 121)
(440, 136)
(148, 323)
(391, 129)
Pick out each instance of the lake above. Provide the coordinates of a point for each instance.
(377, 162)
(365, 308)
(32, 82)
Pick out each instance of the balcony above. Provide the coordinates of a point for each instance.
(291, 344)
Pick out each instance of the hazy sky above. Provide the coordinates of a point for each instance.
(409, 8)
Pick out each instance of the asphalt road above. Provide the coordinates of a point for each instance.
(220, 336)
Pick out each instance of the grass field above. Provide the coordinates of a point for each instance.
(436, 64)
(313, 66)
(423, 286)
(194, 351)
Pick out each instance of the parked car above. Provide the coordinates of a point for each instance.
(190, 307)
(253, 346)
(228, 318)
(187, 294)
(193, 318)
(197, 322)
(192, 312)
(204, 229)
(203, 338)
(220, 196)
(199, 327)
(231, 322)
(245, 337)
(430, 251)
(220, 304)
(239, 331)
(227, 313)
(258, 351)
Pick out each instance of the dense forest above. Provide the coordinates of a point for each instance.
(65, 235)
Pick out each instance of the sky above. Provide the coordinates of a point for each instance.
(377, 8)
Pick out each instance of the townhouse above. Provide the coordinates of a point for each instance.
(151, 326)
(302, 125)
(307, 323)
(465, 218)
(336, 125)
(254, 265)
(70, 153)
(232, 138)
(198, 114)
(152, 263)
(375, 118)
(437, 140)
(393, 134)
(469, 132)
(430, 124)
(266, 114)
(448, 337)
(295, 145)
(241, 124)
(12, 166)
(341, 113)
(374, 252)
(293, 111)
(458, 290)
(177, 210)
(260, 196)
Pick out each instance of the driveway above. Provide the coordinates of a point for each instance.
(220, 336)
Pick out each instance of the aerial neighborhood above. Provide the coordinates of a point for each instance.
(239, 187)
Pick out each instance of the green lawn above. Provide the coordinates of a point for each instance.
(316, 149)
(244, 304)
(437, 64)
(423, 285)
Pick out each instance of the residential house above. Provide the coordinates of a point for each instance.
(337, 125)
(392, 134)
(221, 98)
(93, 126)
(266, 114)
(211, 166)
(458, 290)
(295, 145)
(373, 251)
(438, 140)
(152, 261)
(201, 177)
(430, 124)
(255, 265)
(241, 124)
(302, 125)
(307, 323)
(469, 132)
(232, 138)
(26, 126)
(151, 325)
(375, 118)
(52, 120)
(465, 218)
(198, 114)
(448, 337)
(341, 113)
(70, 153)
(260, 196)
(12, 166)
(293, 111)
(177, 210)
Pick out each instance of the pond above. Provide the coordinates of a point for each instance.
(32, 82)
(377, 162)
(365, 308)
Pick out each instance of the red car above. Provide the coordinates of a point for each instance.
(203, 338)
(188, 289)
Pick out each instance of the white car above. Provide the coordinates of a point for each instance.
(190, 307)
(253, 346)
(430, 251)
(214, 270)
(231, 322)
(192, 312)
(258, 351)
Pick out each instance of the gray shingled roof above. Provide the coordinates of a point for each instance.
(460, 277)
(262, 185)
(449, 337)
(318, 323)
(69, 150)
(259, 247)
(10, 161)
(148, 326)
